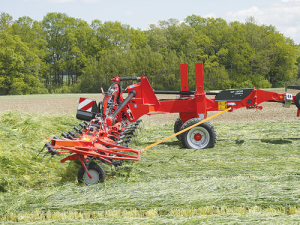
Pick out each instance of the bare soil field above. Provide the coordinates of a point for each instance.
(67, 104)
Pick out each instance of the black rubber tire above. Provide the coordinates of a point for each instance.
(297, 100)
(177, 127)
(207, 133)
(95, 170)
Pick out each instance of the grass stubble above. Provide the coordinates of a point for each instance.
(251, 176)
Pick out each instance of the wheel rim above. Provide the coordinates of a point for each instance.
(90, 181)
(198, 137)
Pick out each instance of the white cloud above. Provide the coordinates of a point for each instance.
(61, 1)
(291, 31)
(129, 13)
(91, 1)
(210, 15)
(67, 1)
(246, 13)
(283, 15)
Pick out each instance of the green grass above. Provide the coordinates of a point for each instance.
(251, 176)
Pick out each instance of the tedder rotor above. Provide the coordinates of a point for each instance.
(108, 126)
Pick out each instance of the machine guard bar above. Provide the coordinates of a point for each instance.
(118, 79)
(184, 92)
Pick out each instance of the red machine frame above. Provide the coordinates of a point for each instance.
(194, 104)
(118, 118)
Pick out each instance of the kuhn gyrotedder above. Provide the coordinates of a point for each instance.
(112, 122)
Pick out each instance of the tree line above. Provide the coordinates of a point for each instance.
(63, 54)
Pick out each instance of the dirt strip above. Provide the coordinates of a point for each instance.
(68, 105)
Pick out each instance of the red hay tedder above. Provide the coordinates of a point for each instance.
(113, 121)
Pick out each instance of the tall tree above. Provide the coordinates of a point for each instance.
(211, 39)
(66, 40)
(31, 33)
(283, 58)
(114, 35)
(19, 67)
(65, 51)
(6, 21)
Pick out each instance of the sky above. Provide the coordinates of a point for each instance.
(283, 14)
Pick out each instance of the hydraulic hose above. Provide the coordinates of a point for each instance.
(129, 97)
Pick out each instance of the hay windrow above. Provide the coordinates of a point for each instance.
(251, 176)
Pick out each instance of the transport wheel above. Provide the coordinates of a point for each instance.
(177, 126)
(97, 172)
(199, 137)
(297, 100)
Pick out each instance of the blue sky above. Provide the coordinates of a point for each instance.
(283, 14)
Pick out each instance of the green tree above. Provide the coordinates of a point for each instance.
(53, 26)
(66, 39)
(6, 21)
(110, 35)
(172, 35)
(31, 33)
(19, 67)
(239, 52)
(298, 61)
(212, 44)
(66, 52)
(283, 57)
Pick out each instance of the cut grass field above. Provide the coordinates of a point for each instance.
(251, 176)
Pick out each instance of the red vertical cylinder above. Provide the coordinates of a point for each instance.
(184, 77)
(199, 79)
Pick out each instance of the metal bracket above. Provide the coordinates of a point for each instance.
(288, 98)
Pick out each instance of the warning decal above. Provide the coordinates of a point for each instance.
(85, 104)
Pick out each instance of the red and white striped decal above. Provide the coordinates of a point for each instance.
(85, 104)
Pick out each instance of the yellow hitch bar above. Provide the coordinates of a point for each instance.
(182, 131)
